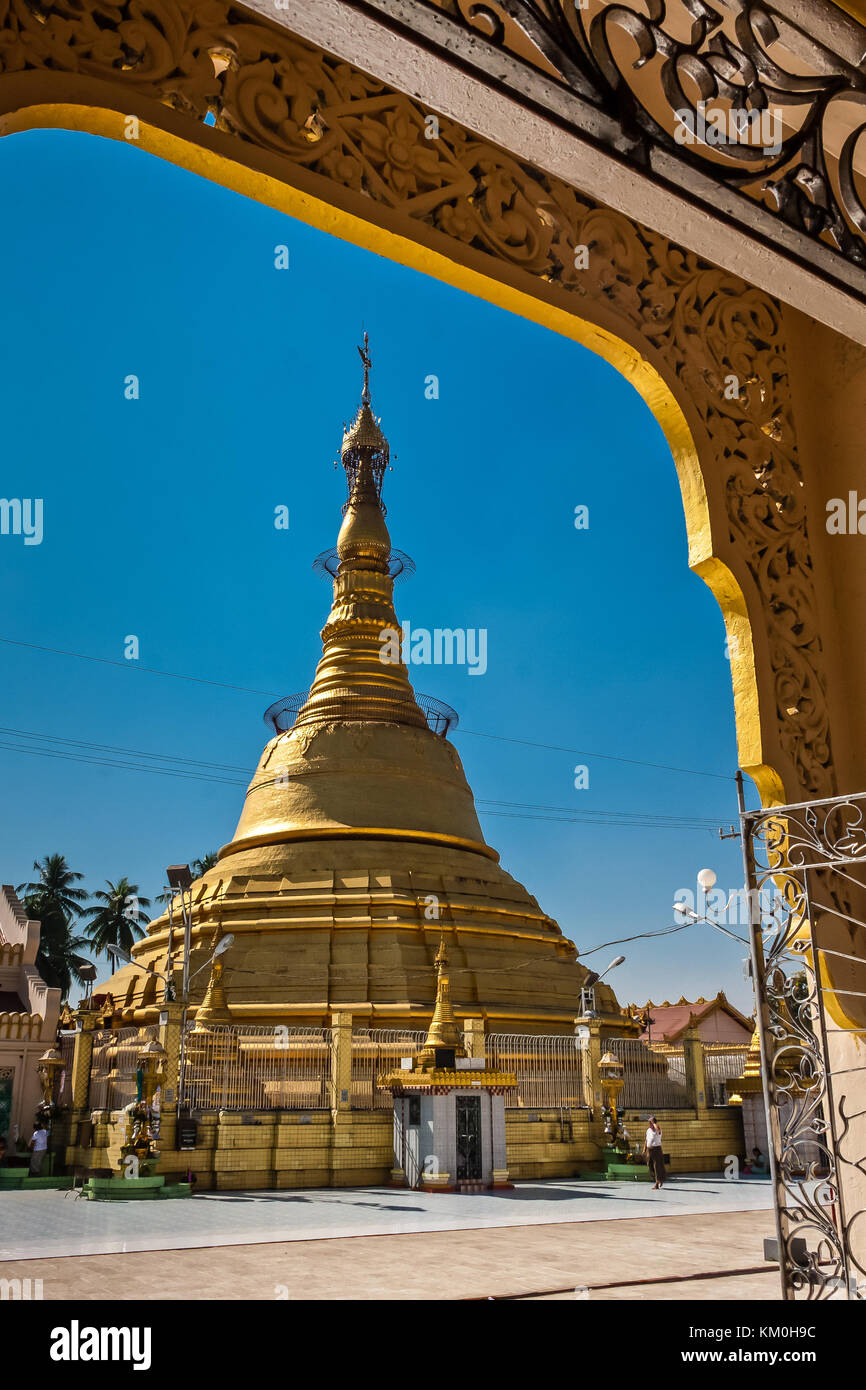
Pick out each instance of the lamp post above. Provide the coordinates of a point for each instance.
(225, 942)
(612, 1078)
(87, 972)
(180, 880)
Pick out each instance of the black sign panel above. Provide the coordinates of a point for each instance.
(187, 1133)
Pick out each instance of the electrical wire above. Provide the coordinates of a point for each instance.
(134, 666)
(622, 940)
(608, 757)
(472, 733)
(101, 755)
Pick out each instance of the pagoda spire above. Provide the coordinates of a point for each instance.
(444, 1030)
(353, 681)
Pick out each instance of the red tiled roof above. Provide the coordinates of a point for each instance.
(670, 1020)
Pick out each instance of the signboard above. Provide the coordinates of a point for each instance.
(187, 1133)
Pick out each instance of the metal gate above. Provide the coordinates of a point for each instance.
(806, 874)
(468, 1138)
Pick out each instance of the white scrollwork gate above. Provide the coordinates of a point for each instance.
(806, 873)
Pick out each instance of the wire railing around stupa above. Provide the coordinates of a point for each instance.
(226, 1067)
(280, 716)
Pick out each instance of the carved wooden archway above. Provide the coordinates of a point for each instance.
(311, 135)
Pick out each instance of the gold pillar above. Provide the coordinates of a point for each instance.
(591, 1077)
(473, 1037)
(341, 1062)
(693, 1055)
(81, 1058)
(170, 1039)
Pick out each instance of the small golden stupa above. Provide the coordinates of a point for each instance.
(359, 845)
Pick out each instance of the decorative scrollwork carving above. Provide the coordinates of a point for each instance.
(656, 66)
(266, 88)
(803, 860)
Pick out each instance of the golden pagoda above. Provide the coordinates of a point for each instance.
(358, 845)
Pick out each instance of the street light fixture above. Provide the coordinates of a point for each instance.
(593, 977)
(587, 989)
(707, 879)
(687, 911)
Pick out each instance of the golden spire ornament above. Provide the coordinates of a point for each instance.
(444, 1029)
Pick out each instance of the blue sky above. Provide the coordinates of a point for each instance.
(158, 523)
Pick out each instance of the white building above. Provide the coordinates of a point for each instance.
(29, 1012)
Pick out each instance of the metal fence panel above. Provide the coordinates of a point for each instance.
(62, 1091)
(721, 1066)
(654, 1080)
(806, 878)
(114, 1063)
(549, 1069)
(376, 1051)
(228, 1067)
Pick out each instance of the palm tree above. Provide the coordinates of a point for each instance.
(116, 919)
(54, 886)
(53, 900)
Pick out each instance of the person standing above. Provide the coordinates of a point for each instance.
(38, 1149)
(652, 1152)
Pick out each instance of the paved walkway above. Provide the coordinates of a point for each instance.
(44, 1224)
(715, 1257)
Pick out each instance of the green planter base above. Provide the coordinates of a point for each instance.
(627, 1172)
(19, 1180)
(133, 1189)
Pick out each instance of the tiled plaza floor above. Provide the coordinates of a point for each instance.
(42, 1224)
(648, 1257)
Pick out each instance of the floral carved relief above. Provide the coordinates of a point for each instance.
(655, 65)
(701, 326)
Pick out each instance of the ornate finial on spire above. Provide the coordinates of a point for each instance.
(364, 353)
(364, 450)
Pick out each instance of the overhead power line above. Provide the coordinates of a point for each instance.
(128, 760)
(136, 666)
(271, 694)
(608, 757)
